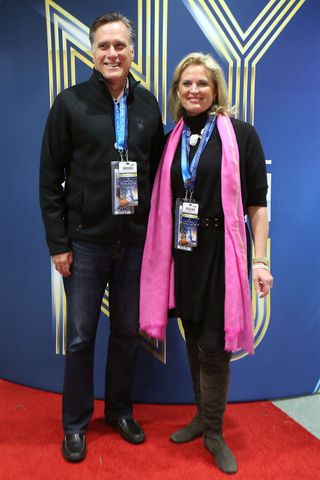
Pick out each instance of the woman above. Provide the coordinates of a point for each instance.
(212, 173)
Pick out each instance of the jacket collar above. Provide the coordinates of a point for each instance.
(100, 83)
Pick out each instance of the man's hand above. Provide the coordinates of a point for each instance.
(62, 263)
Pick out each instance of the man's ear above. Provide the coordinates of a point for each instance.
(93, 52)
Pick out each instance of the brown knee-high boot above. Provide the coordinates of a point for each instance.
(193, 429)
(214, 381)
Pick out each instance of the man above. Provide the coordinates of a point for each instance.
(95, 131)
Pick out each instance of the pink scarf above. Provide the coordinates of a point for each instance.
(157, 280)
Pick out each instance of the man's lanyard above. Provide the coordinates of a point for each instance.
(121, 124)
(189, 172)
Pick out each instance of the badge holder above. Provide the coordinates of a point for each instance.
(186, 225)
(128, 184)
(120, 204)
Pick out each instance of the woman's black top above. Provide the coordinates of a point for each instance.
(199, 275)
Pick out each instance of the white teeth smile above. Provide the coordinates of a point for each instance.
(112, 64)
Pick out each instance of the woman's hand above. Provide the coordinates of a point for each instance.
(262, 280)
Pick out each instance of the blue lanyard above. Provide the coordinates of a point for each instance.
(121, 123)
(189, 172)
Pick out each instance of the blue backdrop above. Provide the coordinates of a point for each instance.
(270, 55)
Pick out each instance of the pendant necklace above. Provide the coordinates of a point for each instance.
(195, 137)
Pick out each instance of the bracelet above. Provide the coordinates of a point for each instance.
(263, 260)
(260, 265)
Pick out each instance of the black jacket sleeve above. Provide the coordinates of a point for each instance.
(55, 154)
(156, 151)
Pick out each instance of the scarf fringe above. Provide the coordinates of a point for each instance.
(157, 332)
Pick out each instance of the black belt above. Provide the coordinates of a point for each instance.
(211, 222)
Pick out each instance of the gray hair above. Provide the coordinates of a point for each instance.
(112, 17)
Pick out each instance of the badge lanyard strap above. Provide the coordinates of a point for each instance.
(189, 172)
(121, 126)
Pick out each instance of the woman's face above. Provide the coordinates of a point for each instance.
(196, 89)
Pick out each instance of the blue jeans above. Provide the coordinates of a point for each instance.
(94, 265)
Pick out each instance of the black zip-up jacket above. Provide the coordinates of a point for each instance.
(78, 148)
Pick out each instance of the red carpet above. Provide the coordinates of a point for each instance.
(267, 443)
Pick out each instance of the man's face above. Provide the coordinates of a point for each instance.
(112, 52)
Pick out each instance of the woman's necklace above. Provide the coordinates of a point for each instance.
(195, 137)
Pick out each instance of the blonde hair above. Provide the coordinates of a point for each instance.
(220, 104)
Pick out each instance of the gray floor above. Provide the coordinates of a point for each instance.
(304, 410)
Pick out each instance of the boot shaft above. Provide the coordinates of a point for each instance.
(194, 366)
(214, 384)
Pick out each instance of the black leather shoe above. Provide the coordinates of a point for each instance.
(74, 447)
(129, 429)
